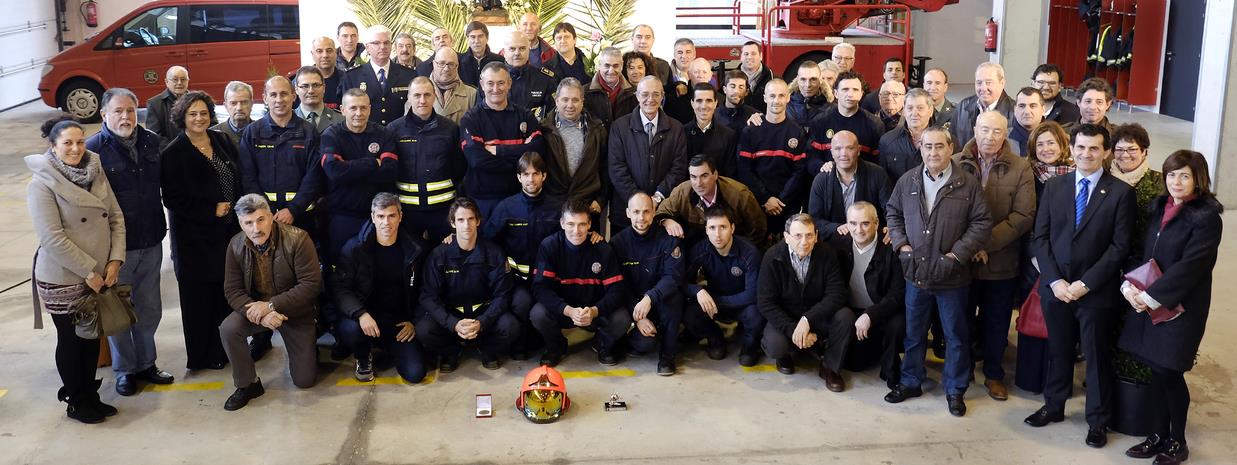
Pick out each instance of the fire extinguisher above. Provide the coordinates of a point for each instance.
(90, 11)
(990, 36)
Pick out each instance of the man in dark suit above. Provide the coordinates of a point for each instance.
(850, 181)
(1082, 237)
(647, 152)
(385, 81)
(159, 107)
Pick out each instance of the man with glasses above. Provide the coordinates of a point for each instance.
(1047, 79)
(895, 70)
(159, 107)
(453, 97)
(892, 98)
(313, 108)
(324, 55)
(989, 96)
(844, 56)
(440, 38)
(385, 81)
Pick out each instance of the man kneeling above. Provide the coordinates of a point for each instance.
(877, 293)
(271, 279)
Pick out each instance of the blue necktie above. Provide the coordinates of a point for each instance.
(1080, 202)
(382, 79)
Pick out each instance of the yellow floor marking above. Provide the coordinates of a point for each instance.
(3, 392)
(760, 368)
(214, 386)
(599, 373)
(384, 380)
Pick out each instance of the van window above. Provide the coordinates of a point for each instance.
(285, 22)
(229, 23)
(154, 27)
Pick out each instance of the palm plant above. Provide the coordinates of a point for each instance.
(601, 24)
(550, 12)
(417, 17)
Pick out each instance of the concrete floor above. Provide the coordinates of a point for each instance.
(711, 412)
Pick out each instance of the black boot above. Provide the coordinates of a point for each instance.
(79, 409)
(93, 397)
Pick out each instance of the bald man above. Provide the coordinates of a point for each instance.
(440, 39)
(771, 158)
(384, 80)
(1009, 189)
(453, 96)
(159, 107)
(325, 59)
(532, 86)
(652, 265)
(852, 180)
(539, 51)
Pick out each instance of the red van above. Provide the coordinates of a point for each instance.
(217, 40)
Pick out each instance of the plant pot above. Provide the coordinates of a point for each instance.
(1133, 407)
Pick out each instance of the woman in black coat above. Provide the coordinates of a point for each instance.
(201, 181)
(1183, 236)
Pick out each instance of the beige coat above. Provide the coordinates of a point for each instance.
(455, 103)
(79, 231)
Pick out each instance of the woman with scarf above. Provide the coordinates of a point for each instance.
(201, 181)
(1130, 164)
(81, 233)
(1050, 144)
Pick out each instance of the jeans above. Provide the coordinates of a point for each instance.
(995, 302)
(133, 349)
(951, 304)
(408, 361)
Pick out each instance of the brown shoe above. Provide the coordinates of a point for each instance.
(996, 389)
(833, 381)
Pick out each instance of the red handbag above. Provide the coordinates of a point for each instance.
(1031, 316)
(1142, 278)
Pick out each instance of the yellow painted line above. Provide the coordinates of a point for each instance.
(215, 386)
(760, 368)
(625, 372)
(3, 392)
(385, 380)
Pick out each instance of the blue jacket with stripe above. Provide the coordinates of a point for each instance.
(353, 174)
(431, 162)
(282, 163)
(511, 131)
(584, 275)
(519, 223)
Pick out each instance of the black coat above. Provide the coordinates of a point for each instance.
(635, 166)
(191, 192)
(719, 143)
(1092, 252)
(827, 205)
(885, 284)
(782, 300)
(353, 277)
(1186, 250)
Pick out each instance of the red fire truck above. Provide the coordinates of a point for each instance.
(791, 31)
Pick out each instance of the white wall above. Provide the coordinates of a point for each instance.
(21, 47)
(109, 12)
(1021, 44)
(954, 37)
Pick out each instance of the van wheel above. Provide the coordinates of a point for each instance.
(80, 99)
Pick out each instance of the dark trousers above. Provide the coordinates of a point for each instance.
(667, 316)
(341, 227)
(432, 223)
(1172, 402)
(751, 323)
(521, 308)
(298, 339)
(486, 206)
(1032, 364)
(408, 361)
(992, 305)
(202, 308)
(951, 305)
(832, 341)
(76, 360)
(494, 340)
(883, 344)
(609, 328)
(1067, 325)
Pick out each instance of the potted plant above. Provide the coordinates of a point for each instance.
(1133, 409)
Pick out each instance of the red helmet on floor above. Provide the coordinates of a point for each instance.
(543, 395)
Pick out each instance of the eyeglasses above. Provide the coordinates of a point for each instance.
(445, 64)
(1047, 83)
(1127, 151)
(309, 86)
(376, 43)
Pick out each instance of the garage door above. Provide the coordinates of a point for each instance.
(28, 38)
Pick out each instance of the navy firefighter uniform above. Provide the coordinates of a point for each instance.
(467, 284)
(282, 163)
(357, 166)
(518, 224)
(585, 275)
(511, 131)
(431, 169)
(652, 265)
(730, 279)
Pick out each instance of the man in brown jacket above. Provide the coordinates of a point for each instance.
(938, 222)
(1009, 189)
(271, 280)
(682, 214)
(576, 141)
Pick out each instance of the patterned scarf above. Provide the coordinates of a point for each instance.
(611, 91)
(1046, 171)
(82, 175)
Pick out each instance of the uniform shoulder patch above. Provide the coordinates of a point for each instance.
(736, 271)
(676, 253)
(547, 72)
(596, 267)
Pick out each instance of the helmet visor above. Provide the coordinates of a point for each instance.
(543, 405)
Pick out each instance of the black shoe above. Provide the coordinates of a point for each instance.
(957, 407)
(490, 362)
(785, 365)
(217, 365)
(606, 358)
(339, 352)
(1097, 437)
(665, 367)
(901, 393)
(1043, 416)
(242, 396)
(938, 349)
(154, 375)
(1149, 448)
(1174, 453)
(364, 369)
(126, 385)
(449, 363)
(521, 354)
(717, 349)
(749, 357)
(260, 345)
(84, 412)
(551, 359)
